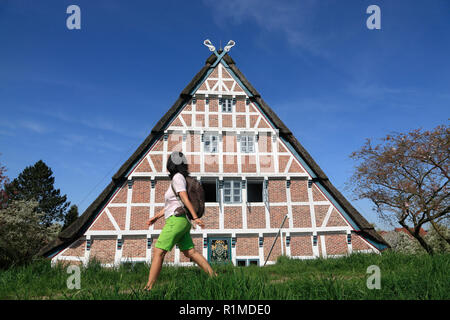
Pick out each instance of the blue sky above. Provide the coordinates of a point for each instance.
(83, 100)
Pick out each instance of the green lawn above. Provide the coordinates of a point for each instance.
(402, 277)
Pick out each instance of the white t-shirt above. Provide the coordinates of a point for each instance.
(171, 201)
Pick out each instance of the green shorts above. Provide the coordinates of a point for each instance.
(177, 230)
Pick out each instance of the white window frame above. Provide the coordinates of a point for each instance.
(209, 147)
(247, 141)
(235, 185)
(227, 105)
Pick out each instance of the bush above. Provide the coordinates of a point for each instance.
(22, 234)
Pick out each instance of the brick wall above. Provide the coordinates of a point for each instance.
(103, 250)
(199, 120)
(161, 187)
(301, 216)
(230, 163)
(211, 163)
(336, 219)
(193, 142)
(247, 245)
(174, 142)
(139, 217)
(336, 244)
(119, 215)
(266, 163)
(277, 190)
(232, 217)
(299, 190)
(102, 222)
(301, 245)
(121, 195)
(248, 163)
(320, 213)
(159, 224)
(240, 105)
(282, 162)
(193, 163)
(134, 247)
(277, 214)
(144, 166)
(229, 143)
(264, 142)
(276, 252)
(187, 119)
(76, 249)
(211, 218)
(213, 120)
(317, 194)
(358, 243)
(157, 162)
(256, 217)
(141, 191)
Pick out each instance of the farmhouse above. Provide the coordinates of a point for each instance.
(254, 172)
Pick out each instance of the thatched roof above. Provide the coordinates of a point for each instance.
(78, 227)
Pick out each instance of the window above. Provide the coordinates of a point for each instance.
(227, 105)
(210, 191)
(247, 262)
(210, 142)
(253, 262)
(254, 191)
(247, 143)
(241, 263)
(232, 191)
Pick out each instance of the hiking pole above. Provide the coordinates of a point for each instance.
(273, 244)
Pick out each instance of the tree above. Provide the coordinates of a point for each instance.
(3, 181)
(70, 217)
(436, 241)
(401, 242)
(22, 234)
(406, 178)
(37, 183)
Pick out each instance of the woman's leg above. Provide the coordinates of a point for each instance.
(200, 260)
(158, 258)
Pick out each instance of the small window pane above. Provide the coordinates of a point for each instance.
(241, 263)
(237, 192)
(237, 184)
(227, 192)
(227, 199)
(227, 184)
(253, 262)
(237, 199)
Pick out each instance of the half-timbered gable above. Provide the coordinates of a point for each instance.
(256, 175)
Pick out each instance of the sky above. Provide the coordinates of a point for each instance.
(84, 100)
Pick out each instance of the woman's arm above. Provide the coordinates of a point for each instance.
(153, 219)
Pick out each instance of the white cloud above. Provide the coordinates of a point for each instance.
(294, 19)
(33, 126)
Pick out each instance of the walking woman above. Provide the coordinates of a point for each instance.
(177, 227)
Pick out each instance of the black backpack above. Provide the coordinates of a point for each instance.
(196, 195)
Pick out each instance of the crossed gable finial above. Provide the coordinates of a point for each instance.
(210, 46)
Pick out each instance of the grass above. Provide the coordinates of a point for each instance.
(402, 277)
